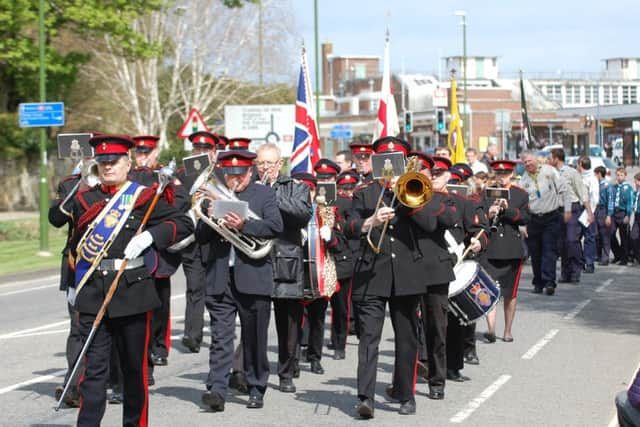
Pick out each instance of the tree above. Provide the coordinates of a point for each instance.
(209, 59)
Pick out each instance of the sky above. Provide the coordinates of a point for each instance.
(533, 35)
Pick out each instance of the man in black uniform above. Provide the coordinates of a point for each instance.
(414, 244)
(112, 212)
(195, 254)
(239, 284)
(74, 340)
(362, 158)
(287, 255)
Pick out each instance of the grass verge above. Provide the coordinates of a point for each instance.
(20, 241)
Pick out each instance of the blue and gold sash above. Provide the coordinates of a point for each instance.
(103, 231)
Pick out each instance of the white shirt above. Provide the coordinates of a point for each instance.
(593, 188)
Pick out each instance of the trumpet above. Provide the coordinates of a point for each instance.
(208, 188)
(412, 189)
(88, 175)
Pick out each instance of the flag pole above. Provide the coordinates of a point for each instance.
(315, 13)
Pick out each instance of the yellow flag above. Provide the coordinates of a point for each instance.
(454, 139)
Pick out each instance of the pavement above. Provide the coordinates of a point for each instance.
(572, 353)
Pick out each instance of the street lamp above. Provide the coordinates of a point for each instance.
(463, 14)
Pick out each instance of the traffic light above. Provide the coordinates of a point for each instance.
(440, 120)
(408, 121)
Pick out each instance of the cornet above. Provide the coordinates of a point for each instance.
(88, 175)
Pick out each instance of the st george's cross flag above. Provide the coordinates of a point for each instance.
(387, 122)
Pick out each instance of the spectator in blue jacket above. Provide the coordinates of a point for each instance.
(628, 404)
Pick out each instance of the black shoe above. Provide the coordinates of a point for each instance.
(549, 290)
(330, 346)
(589, 269)
(603, 263)
(536, 290)
(471, 358)
(365, 409)
(287, 386)
(255, 402)
(150, 379)
(213, 400)
(390, 392)
(408, 407)
(622, 263)
(615, 260)
(115, 398)
(296, 371)
(490, 337)
(238, 381)
(423, 369)
(339, 355)
(71, 399)
(316, 367)
(454, 375)
(436, 394)
(159, 360)
(191, 344)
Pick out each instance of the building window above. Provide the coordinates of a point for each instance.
(607, 94)
(633, 94)
(554, 92)
(588, 94)
(625, 63)
(361, 71)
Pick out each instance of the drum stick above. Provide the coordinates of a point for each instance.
(466, 251)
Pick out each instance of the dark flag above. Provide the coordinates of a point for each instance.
(527, 138)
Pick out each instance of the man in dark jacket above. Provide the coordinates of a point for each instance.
(237, 283)
(105, 221)
(413, 244)
(294, 204)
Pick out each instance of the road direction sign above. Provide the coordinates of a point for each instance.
(341, 131)
(41, 114)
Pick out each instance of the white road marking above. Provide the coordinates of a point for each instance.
(35, 380)
(37, 334)
(604, 285)
(39, 328)
(54, 278)
(478, 401)
(21, 291)
(538, 346)
(573, 313)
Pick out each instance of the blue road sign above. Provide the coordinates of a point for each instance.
(41, 114)
(341, 131)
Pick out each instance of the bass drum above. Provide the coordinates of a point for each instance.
(473, 294)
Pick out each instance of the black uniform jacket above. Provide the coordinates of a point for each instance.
(414, 252)
(294, 202)
(135, 292)
(344, 257)
(58, 219)
(473, 219)
(506, 242)
(252, 276)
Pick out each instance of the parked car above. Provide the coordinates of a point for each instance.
(594, 150)
(595, 162)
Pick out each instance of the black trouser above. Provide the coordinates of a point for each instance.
(288, 316)
(160, 341)
(470, 339)
(316, 314)
(74, 347)
(455, 343)
(195, 273)
(436, 302)
(604, 234)
(254, 312)
(634, 238)
(543, 235)
(371, 316)
(115, 369)
(130, 333)
(340, 304)
(621, 250)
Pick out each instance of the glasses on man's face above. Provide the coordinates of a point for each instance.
(267, 164)
(362, 157)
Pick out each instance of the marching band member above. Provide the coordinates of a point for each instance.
(238, 284)
(105, 220)
(341, 300)
(195, 255)
(362, 158)
(162, 264)
(505, 254)
(413, 245)
(294, 203)
(473, 220)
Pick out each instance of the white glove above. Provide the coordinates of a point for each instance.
(71, 295)
(303, 233)
(325, 233)
(138, 244)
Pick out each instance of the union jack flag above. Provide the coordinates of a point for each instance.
(306, 144)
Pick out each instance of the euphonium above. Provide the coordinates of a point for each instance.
(206, 187)
(88, 175)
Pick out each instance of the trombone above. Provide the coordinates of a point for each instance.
(412, 189)
(88, 175)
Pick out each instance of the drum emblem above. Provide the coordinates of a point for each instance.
(481, 295)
